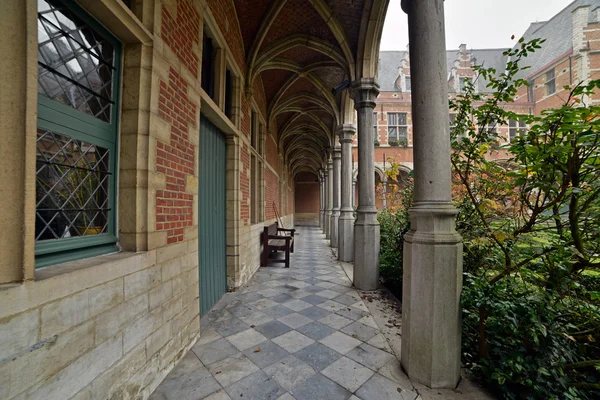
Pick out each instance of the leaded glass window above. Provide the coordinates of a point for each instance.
(78, 71)
(72, 185)
(76, 64)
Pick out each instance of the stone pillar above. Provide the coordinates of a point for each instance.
(432, 280)
(329, 191)
(321, 192)
(384, 191)
(346, 220)
(335, 211)
(366, 227)
(353, 193)
(325, 179)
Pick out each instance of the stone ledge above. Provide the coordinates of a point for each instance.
(63, 280)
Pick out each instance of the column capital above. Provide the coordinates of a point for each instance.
(346, 133)
(405, 4)
(330, 163)
(365, 92)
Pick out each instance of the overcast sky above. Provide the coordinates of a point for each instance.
(478, 23)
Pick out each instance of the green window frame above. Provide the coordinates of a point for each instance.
(85, 132)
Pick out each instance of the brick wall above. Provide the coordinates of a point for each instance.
(175, 159)
(272, 194)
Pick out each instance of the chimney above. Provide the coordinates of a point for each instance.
(581, 17)
(463, 48)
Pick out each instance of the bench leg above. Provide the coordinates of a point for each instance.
(264, 258)
(287, 257)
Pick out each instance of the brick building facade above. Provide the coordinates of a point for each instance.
(570, 55)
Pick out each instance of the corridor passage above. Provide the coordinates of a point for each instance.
(299, 333)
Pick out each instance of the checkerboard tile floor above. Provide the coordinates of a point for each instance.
(297, 333)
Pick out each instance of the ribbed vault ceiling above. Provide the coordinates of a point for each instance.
(302, 49)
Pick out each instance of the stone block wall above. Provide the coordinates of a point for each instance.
(112, 330)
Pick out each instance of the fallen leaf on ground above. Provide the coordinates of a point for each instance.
(257, 350)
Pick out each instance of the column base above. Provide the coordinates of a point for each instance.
(346, 237)
(432, 283)
(335, 216)
(366, 252)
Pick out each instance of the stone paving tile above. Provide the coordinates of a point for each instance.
(346, 299)
(380, 342)
(352, 313)
(329, 294)
(314, 299)
(359, 331)
(293, 341)
(258, 386)
(189, 380)
(381, 388)
(231, 326)
(232, 369)
(214, 351)
(315, 330)
(272, 329)
(368, 320)
(256, 318)
(263, 303)
(297, 305)
(320, 387)
(340, 342)
(348, 374)
(370, 356)
(246, 339)
(318, 356)
(335, 321)
(295, 320)
(218, 395)
(290, 372)
(282, 298)
(277, 311)
(265, 354)
(314, 313)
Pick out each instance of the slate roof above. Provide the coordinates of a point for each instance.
(389, 62)
(558, 33)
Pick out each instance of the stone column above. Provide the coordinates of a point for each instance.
(321, 192)
(366, 227)
(329, 191)
(346, 221)
(432, 280)
(325, 182)
(354, 192)
(335, 211)
(384, 181)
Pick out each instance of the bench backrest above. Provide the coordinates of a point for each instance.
(272, 229)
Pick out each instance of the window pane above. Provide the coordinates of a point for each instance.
(72, 187)
(402, 119)
(392, 133)
(392, 119)
(76, 64)
(402, 131)
(408, 84)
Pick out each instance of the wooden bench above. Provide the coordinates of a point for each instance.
(272, 241)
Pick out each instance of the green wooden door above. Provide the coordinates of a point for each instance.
(212, 258)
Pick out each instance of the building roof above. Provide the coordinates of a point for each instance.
(558, 33)
(390, 61)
